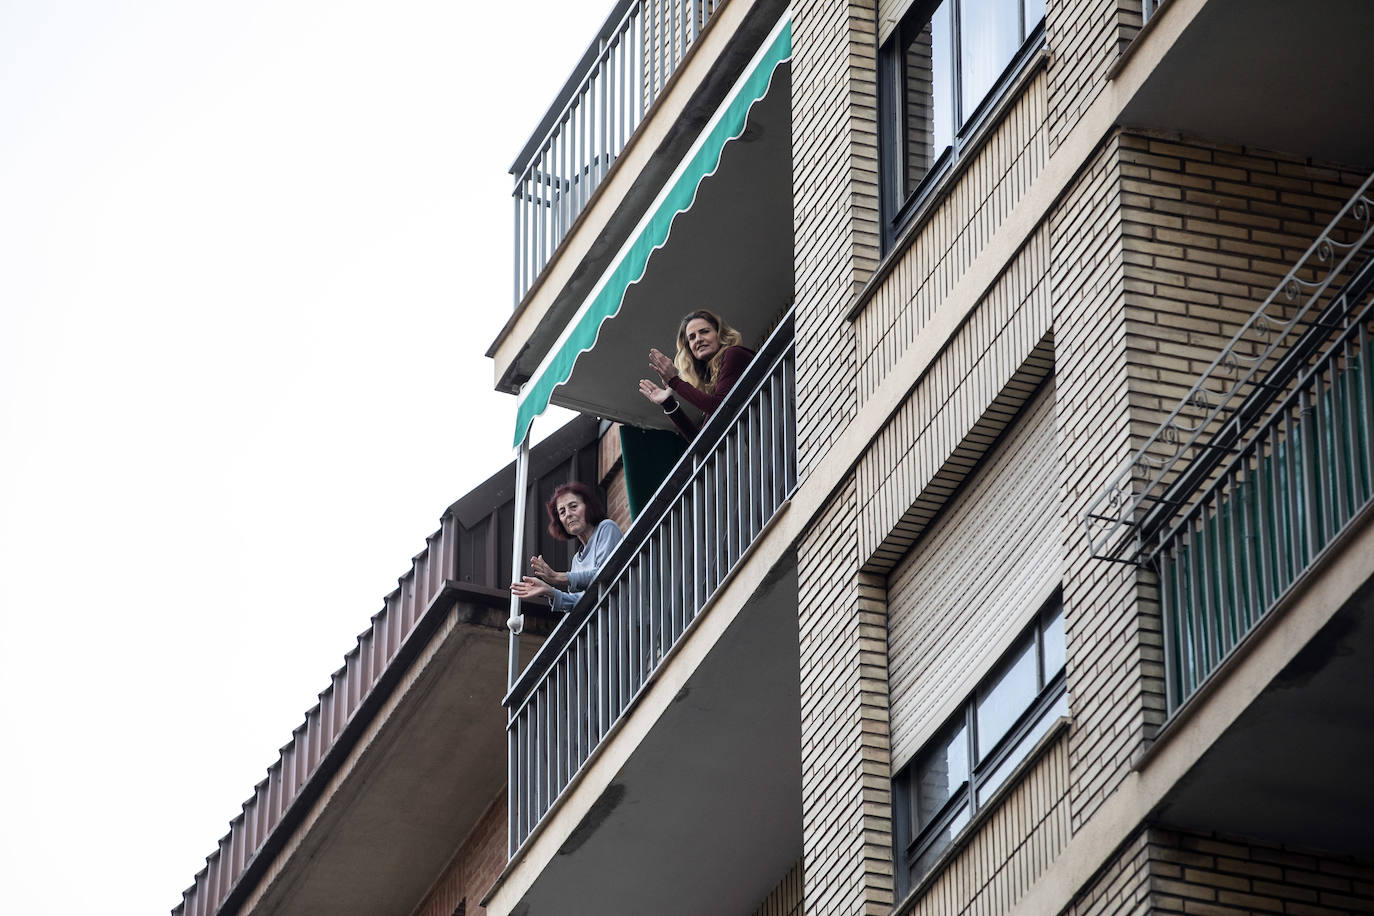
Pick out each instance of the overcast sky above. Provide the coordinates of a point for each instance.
(251, 255)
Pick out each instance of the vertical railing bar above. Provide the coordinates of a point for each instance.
(1339, 452)
(655, 582)
(1265, 524)
(1351, 438)
(603, 723)
(1286, 504)
(1367, 409)
(573, 724)
(1309, 472)
(1210, 614)
(1249, 526)
(1323, 389)
(1231, 560)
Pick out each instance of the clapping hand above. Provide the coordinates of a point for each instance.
(654, 392)
(546, 572)
(530, 587)
(662, 365)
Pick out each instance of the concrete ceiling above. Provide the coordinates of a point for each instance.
(1278, 74)
(706, 815)
(730, 253)
(1294, 768)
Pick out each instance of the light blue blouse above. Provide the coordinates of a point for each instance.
(586, 563)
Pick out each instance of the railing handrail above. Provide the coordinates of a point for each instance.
(572, 88)
(760, 368)
(1146, 464)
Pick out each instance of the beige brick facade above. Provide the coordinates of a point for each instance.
(1167, 871)
(1016, 840)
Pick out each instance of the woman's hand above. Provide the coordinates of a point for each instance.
(653, 392)
(546, 572)
(530, 587)
(662, 365)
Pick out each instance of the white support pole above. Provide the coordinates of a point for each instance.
(516, 622)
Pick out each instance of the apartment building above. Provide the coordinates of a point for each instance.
(1026, 567)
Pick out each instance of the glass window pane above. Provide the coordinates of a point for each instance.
(938, 773)
(928, 98)
(989, 36)
(1055, 653)
(989, 784)
(1012, 690)
(1035, 11)
(926, 860)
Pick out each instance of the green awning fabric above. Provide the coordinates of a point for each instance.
(677, 197)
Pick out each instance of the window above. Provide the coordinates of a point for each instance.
(937, 72)
(959, 770)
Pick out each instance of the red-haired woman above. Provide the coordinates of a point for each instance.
(574, 512)
(710, 359)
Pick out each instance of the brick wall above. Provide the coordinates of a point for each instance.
(1110, 647)
(1210, 231)
(995, 177)
(1121, 887)
(1019, 838)
(472, 870)
(1165, 871)
(610, 473)
(846, 779)
(1085, 37)
(785, 899)
(1193, 873)
(959, 407)
(835, 193)
(846, 775)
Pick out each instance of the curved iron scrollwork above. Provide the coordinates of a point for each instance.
(1144, 494)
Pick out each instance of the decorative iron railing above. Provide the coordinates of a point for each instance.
(1237, 390)
(682, 548)
(1296, 483)
(618, 80)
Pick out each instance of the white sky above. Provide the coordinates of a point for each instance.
(251, 254)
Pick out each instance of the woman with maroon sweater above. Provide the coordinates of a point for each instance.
(710, 359)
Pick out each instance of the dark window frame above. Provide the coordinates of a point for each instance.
(912, 843)
(898, 207)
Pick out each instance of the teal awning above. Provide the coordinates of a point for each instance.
(677, 197)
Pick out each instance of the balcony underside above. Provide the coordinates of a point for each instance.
(1243, 73)
(415, 786)
(1303, 747)
(731, 252)
(705, 816)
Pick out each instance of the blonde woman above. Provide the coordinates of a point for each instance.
(710, 359)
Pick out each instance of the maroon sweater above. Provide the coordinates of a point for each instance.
(732, 366)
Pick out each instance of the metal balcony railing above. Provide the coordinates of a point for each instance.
(1297, 483)
(617, 81)
(682, 548)
(1263, 464)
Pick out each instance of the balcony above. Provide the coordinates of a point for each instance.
(683, 548)
(618, 80)
(654, 108)
(1252, 506)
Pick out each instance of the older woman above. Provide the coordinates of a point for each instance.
(710, 359)
(574, 512)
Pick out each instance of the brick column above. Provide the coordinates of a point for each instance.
(846, 777)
